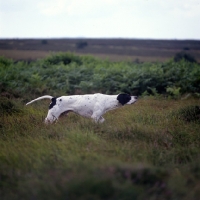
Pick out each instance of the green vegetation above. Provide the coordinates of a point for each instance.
(149, 150)
(142, 151)
(65, 73)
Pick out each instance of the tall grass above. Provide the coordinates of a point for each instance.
(143, 151)
(149, 150)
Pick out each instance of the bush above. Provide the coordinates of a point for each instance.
(66, 73)
(190, 113)
(186, 56)
(81, 44)
(8, 107)
(44, 42)
(4, 62)
(60, 58)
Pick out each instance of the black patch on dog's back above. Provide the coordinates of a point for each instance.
(53, 102)
(123, 98)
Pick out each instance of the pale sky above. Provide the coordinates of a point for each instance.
(153, 19)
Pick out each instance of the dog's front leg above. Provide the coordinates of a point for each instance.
(52, 116)
(97, 117)
(50, 120)
(101, 120)
(98, 120)
(97, 114)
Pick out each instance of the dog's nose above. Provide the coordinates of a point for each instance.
(135, 97)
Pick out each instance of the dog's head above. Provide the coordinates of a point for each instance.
(126, 99)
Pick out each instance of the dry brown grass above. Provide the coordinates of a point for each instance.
(34, 55)
(111, 49)
(23, 54)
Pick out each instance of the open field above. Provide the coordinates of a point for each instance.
(148, 150)
(112, 49)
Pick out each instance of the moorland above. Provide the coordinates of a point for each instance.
(148, 150)
(139, 50)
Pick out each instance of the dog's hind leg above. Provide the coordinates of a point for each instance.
(101, 120)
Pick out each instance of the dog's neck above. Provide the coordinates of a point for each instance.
(112, 103)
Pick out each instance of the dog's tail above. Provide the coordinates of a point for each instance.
(39, 98)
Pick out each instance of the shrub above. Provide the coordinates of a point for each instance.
(174, 91)
(44, 42)
(190, 113)
(8, 107)
(186, 56)
(64, 58)
(4, 62)
(81, 44)
(66, 73)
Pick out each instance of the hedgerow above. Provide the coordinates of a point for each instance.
(66, 73)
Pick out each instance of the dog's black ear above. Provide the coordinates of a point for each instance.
(53, 102)
(123, 98)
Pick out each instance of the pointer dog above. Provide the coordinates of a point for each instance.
(89, 105)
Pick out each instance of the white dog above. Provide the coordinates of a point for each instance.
(89, 105)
